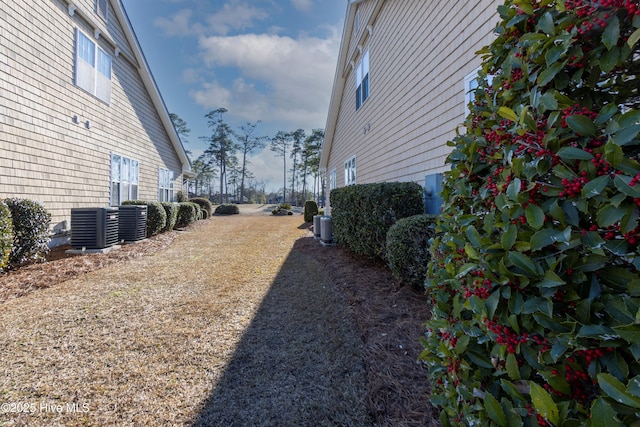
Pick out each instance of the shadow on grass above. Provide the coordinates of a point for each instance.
(299, 363)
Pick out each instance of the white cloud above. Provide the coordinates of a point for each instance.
(302, 5)
(234, 16)
(178, 25)
(282, 79)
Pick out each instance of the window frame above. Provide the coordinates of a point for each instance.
(350, 174)
(93, 67)
(126, 167)
(363, 85)
(166, 183)
(470, 86)
(333, 179)
(102, 9)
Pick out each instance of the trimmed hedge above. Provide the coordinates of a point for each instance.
(6, 234)
(362, 214)
(31, 238)
(156, 216)
(310, 209)
(204, 204)
(187, 214)
(171, 209)
(227, 210)
(408, 245)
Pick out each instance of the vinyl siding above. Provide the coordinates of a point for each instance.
(44, 155)
(420, 53)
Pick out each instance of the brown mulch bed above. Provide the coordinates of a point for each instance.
(270, 329)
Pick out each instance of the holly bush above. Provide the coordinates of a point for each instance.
(535, 279)
(6, 235)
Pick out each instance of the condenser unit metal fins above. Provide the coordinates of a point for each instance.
(94, 228)
(132, 223)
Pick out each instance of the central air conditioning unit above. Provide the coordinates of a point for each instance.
(132, 223)
(326, 236)
(94, 228)
(316, 226)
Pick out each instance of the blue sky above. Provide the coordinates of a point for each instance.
(267, 60)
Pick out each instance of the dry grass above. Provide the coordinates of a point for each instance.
(242, 320)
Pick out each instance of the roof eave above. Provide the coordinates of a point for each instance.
(151, 86)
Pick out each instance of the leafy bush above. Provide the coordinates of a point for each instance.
(227, 210)
(156, 216)
(171, 209)
(535, 281)
(408, 244)
(187, 214)
(181, 196)
(362, 214)
(310, 209)
(280, 211)
(6, 235)
(204, 204)
(31, 238)
(285, 206)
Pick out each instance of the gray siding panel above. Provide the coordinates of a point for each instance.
(420, 53)
(44, 155)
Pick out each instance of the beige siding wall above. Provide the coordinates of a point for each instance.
(44, 155)
(420, 52)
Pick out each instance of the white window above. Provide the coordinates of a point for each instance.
(102, 9)
(124, 179)
(333, 180)
(470, 86)
(165, 185)
(93, 68)
(362, 80)
(350, 171)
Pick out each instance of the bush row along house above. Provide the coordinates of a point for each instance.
(401, 88)
(82, 123)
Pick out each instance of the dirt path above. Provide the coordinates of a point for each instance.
(229, 325)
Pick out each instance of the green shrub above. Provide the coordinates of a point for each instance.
(535, 279)
(156, 215)
(181, 196)
(204, 214)
(310, 209)
(187, 214)
(31, 237)
(408, 244)
(227, 210)
(285, 206)
(362, 214)
(6, 235)
(204, 204)
(171, 209)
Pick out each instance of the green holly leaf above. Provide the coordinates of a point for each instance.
(549, 73)
(613, 153)
(508, 113)
(494, 410)
(626, 134)
(544, 404)
(595, 187)
(535, 216)
(613, 388)
(633, 38)
(603, 415)
(509, 237)
(581, 124)
(611, 33)
(543, 238)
